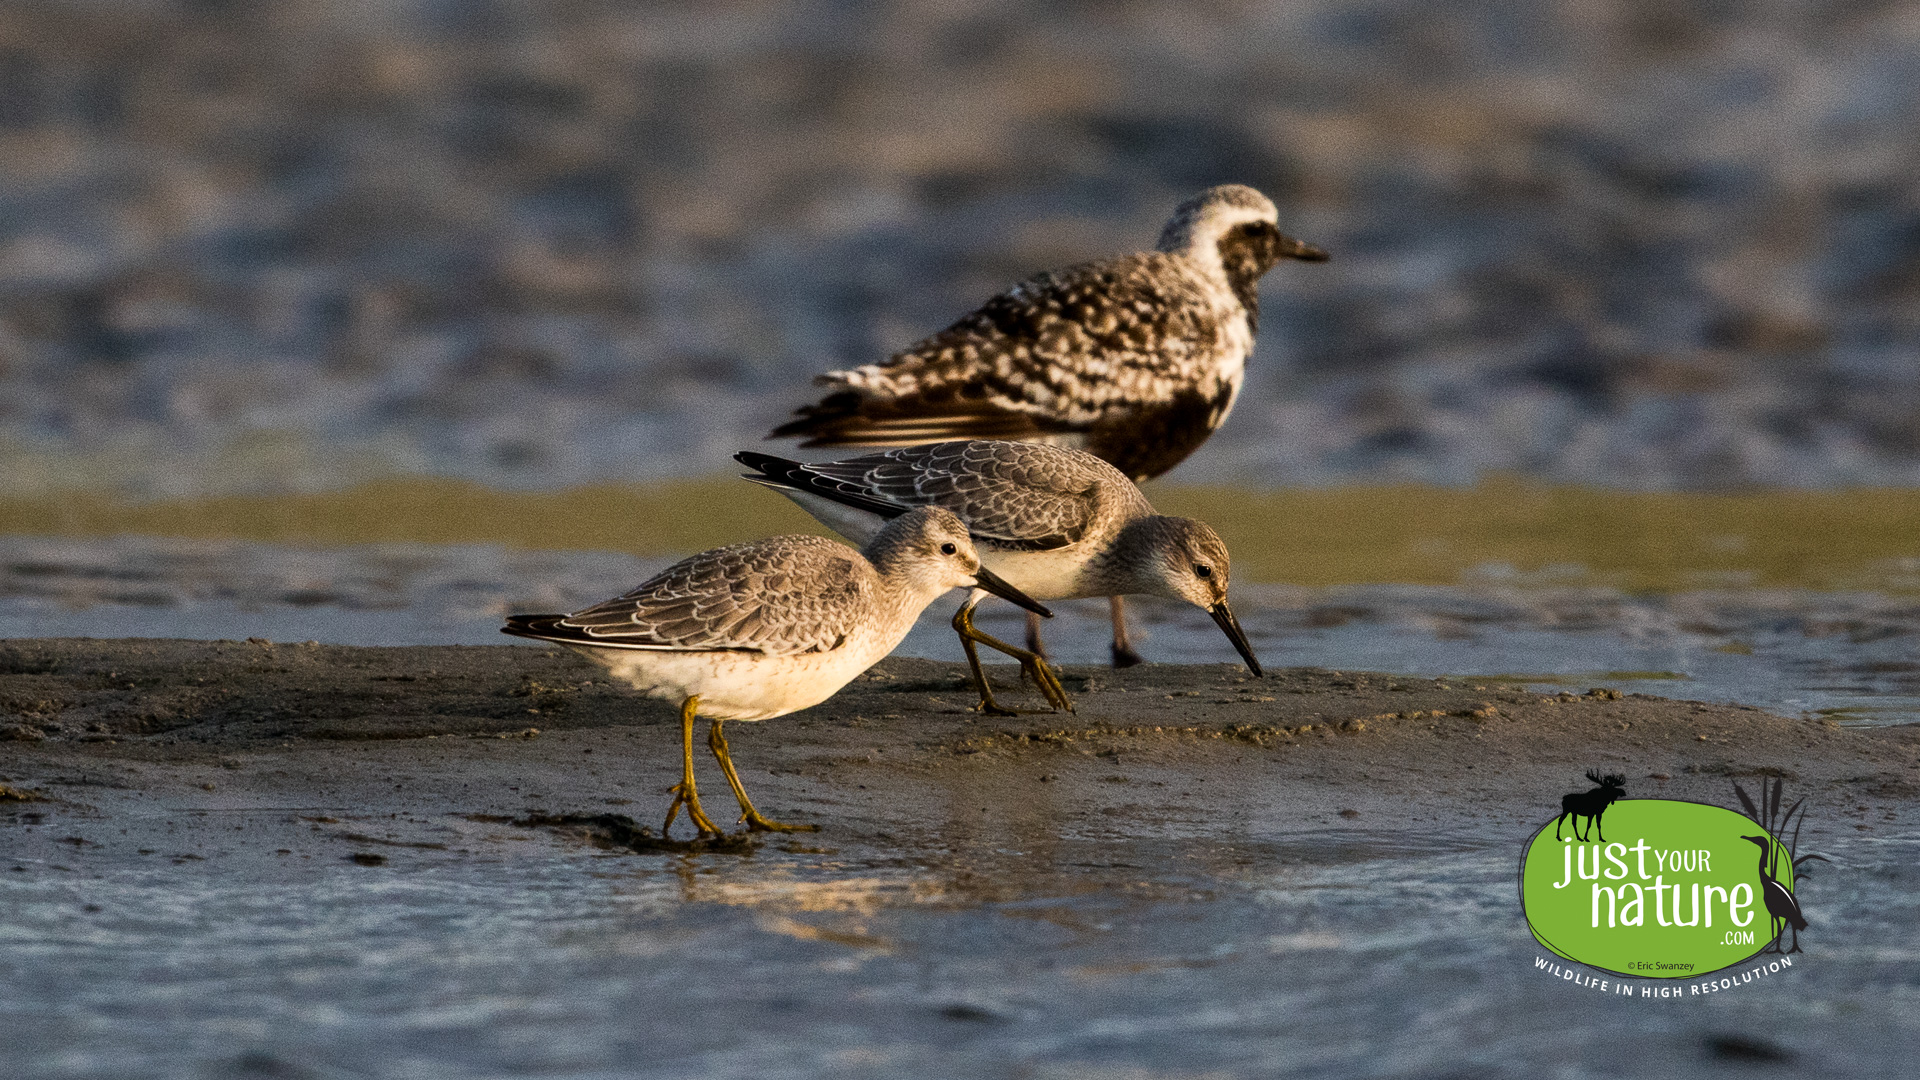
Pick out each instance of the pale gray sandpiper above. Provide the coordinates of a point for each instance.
(757, 630)
(1055, 523)
(1135, 359)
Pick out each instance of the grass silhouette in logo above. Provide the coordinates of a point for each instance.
(1591, 804)
(1782, 908)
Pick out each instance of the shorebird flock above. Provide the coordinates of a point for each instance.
(1017, 437)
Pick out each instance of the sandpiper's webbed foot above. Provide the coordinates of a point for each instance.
(1036, 668)
(685, 795)
(1125, 657)
(1033, 668)
(1031, 665)
(756, 823)
(717, 742)
(990, 706)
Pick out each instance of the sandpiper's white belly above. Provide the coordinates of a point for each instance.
(744, 685)
(1043, 575)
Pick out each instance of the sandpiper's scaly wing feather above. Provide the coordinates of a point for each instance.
(782, 596)
(1057, 353)
(1011, 495)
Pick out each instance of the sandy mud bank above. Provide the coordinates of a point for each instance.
(191, 749)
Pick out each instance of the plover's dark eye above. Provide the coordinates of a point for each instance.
(1202, 570)
(949, 548)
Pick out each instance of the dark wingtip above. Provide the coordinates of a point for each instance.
(772, 471)
(530, 626)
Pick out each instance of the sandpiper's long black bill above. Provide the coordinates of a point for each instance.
(994, 584)
(1299, 249)
(1223, 617)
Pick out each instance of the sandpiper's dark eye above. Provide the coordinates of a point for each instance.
(1202, 570)
(949, 549)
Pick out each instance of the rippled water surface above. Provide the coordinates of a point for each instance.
(1346, 953)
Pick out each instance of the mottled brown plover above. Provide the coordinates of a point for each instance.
(757, 630)
(1136, 359)
(1055, 523)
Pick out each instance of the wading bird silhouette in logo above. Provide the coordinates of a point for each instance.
(1590, 804)
(1782, 908)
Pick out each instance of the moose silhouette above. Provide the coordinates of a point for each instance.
(1590, 804)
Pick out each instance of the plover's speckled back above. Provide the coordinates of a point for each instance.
(1136, 360)
(1055, 523)
(757, 630)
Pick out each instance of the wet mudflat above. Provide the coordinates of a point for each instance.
(240, 859)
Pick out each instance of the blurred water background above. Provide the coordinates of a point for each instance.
(1659, 244)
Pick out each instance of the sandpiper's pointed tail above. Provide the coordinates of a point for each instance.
(779, 473)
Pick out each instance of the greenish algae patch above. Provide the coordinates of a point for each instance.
(653, 519)
(1502, 529)
(1652, 541)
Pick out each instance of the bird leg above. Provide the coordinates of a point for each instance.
(1034, 645)
(1030, 663)
(755, 823)
(684, 792)
(1123, 654)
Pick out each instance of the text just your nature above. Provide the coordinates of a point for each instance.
(1626, 903)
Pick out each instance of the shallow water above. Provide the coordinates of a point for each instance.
(1846, 654)
(1253, 951)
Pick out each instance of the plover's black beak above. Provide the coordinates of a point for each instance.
(1223, 617)
(992, 582)
(1299, 249)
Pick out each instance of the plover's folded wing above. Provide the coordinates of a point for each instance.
(781, 596)
(1055, 354)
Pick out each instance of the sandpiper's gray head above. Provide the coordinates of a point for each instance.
(1186, 560)
(1235, 225)
(929, 548)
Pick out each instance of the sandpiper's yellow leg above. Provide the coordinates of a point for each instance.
(755, 823)
(684, 792)
(1031, 663)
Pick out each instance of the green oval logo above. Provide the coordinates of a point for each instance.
(1677, 889)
